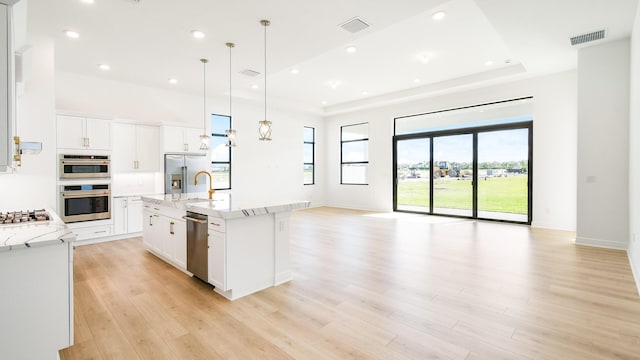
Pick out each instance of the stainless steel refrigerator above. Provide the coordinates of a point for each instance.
(179, 171)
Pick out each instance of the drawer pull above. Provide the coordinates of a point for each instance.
(214, 224)
(171, 228)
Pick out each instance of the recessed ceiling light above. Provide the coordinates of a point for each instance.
(173, 81)
(197, 34)
(364, 93)
(104, 67)
(416, 80)
(488, 62)
(351, 49)
(323, 102)
(71, 34)
(295, 71)
(254, 86)
(87, 1)
(438, 15)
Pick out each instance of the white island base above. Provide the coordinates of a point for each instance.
(248, 246)
(256, 255)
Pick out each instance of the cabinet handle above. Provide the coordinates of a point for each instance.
(171, 228)
(186, 147)
(214, 224)
(88, 142)
(150, 223)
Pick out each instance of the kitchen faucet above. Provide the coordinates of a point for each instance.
(195, 182)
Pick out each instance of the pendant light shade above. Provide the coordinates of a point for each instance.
(264, 129)
(231, 134)
(204, 138)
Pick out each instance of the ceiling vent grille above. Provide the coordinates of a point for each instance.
(249, 72)
(585, 38)
(354, 25)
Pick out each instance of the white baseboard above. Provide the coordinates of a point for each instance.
(609, 244)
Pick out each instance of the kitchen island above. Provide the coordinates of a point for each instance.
(247, 243)
(36, 278)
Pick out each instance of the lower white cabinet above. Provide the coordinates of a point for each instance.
(166, 237)
(93, 232)
(127, 215)
(217, 256)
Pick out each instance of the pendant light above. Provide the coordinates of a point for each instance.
(264, 130)
(204, 138)
(231, 133)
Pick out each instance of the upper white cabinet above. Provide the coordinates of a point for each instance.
(83, 133)
(135, 148)
(181, 139)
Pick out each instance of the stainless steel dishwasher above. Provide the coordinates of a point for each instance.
(197, 245)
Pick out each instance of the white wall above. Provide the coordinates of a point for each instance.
(603, 145)
(554, 159)
(634, 153)
(267, 171)
(34, 185)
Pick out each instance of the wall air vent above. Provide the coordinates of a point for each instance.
(585, 38)
(354, 25)
(249, 72)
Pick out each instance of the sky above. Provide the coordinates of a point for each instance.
(501, 146)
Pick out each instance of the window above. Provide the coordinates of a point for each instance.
(220, 153)
(309, 139)
(354, 154)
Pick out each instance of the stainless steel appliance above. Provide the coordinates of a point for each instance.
(197, 245)
(24, 217)
(85, 167)
(179, 171)
(85, 202)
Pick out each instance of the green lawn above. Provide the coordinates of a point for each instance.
(500, 194)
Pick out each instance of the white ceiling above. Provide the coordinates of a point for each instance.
(150, 41)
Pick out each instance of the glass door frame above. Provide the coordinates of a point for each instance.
(474, 132)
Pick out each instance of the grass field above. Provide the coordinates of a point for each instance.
(499, 194)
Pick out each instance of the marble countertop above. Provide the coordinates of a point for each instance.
(223, 205)
(33, 234)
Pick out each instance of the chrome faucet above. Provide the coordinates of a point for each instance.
(195, 182)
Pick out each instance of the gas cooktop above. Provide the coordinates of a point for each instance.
(24, 217)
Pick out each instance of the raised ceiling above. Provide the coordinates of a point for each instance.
(404, 53)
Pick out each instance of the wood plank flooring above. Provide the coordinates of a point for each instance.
(370, 286)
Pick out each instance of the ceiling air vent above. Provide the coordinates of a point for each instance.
(585, 38)
(354, 25)
(249, 72)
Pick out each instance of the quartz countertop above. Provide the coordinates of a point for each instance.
(32, 234)
(223, 205)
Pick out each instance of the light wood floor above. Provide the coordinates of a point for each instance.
(370, 286)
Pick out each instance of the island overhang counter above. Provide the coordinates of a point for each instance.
(247, 241)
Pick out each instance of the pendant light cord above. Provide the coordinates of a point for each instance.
(265, 69)
(204, 96)
(230, 106)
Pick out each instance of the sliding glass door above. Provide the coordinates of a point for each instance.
(481, 172)
(413, 177)
(452, 191)
(503, 181)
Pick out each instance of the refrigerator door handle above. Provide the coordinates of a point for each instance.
(185, 181)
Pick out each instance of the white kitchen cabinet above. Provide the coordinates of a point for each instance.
(165, 236)
(181, 139)
(127, 215)
(217, 256)
(119, 215)
(84, 133)
(175, 241)
(135, 148)
(134, 214)
(151, 230)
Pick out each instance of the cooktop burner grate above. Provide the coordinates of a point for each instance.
(29, 216)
